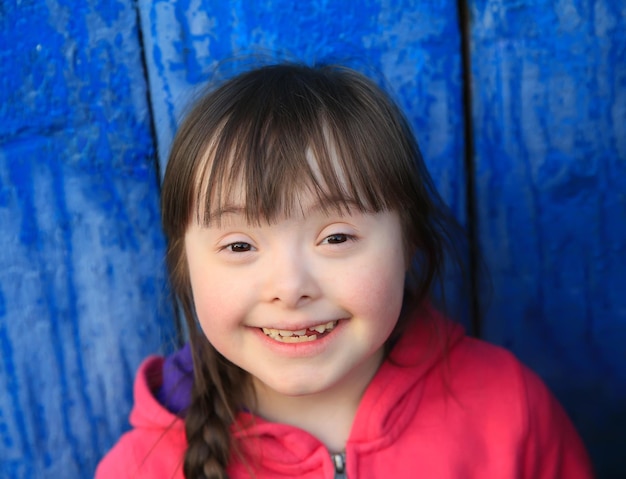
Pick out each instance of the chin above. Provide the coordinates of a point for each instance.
(295, 390)
(298, 388)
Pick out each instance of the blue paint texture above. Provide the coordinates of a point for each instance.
(81, 248)
(82, 288)
(549, 82)
(415, 46)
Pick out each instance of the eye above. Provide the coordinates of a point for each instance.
(337, 238)
(239, 247)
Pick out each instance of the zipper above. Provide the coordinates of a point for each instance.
(339, 461)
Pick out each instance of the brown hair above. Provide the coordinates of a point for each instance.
(260, 130)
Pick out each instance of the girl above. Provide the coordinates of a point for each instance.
(304, 240)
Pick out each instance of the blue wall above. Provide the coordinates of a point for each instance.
(550, 133)
(81, 277)
(82, 289)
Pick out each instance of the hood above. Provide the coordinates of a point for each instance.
(148, 411)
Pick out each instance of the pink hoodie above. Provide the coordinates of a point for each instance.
(472, 411)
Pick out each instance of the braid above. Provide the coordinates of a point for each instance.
(219, 391)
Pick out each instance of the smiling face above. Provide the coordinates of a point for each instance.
(302, 303)
(261, 173)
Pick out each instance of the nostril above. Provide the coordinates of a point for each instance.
(292, 301)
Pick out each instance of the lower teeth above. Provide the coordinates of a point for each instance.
(295, 339)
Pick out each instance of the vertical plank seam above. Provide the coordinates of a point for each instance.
(470, 170)
(177, 314)
(146, 75)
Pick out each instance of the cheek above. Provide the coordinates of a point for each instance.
(219, 319)
(378, 287)
(214, 299)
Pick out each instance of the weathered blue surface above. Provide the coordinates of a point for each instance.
(415, 46)
(81, 277)
(81, 280)
(550, 132)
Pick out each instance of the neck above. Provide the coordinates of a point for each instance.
(328, 415)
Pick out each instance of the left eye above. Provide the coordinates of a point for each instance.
(336, 238)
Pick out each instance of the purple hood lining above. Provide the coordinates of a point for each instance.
(175, 391)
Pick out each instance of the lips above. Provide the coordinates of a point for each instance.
(302, 335)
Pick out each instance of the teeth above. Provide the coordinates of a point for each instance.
(298, 339)
(300, 335)
(270, 332)
(320, 328)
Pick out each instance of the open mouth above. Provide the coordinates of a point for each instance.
(301, 335)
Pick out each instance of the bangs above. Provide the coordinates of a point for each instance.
(266, 182)
(291, 135)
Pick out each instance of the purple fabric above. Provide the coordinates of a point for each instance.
(175, 392)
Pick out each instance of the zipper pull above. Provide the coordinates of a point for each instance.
(339, 461)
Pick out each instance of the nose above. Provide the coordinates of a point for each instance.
(290, 280)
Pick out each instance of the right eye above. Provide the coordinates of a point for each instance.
(337, 238)
(239, 247)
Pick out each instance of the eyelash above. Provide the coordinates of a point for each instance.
(344, 236)
(239, 247)
(232, 247)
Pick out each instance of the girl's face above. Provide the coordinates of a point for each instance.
(304, 303)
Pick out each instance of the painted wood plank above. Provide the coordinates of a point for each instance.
(81, 277)
(415, 46)
(549, 83)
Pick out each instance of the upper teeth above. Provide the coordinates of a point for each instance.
(284, 333)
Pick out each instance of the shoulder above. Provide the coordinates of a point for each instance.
(513, 406)
(155, 445)
(490, 378)
(479, 367)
